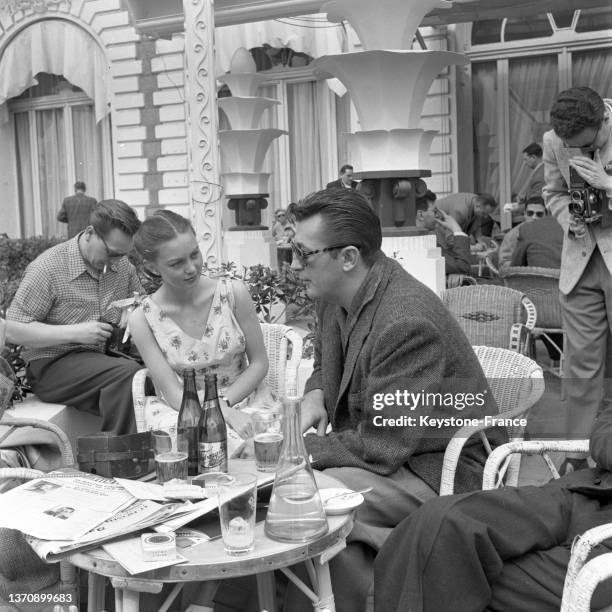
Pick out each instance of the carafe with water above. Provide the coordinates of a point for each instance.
(295, 513)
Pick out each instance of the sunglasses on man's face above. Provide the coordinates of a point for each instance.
(109, 252)
(302, 255)
(531, 213)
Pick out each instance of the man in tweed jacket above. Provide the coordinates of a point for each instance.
(381, 335)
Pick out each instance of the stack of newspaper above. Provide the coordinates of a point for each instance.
(64, 512)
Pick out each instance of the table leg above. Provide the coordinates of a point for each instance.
(95, 592)
(118, 600)
(131, 601)
(266, 591)
(324, 588)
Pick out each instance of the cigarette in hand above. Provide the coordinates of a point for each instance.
(104, 269)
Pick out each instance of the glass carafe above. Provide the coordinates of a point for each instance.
(295, 513)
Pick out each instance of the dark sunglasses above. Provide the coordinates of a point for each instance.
(302, 254)
(109, 253)
(530, 213)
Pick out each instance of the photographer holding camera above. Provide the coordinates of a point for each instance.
(578, 191)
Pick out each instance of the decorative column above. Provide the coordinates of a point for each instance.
(243, 150)
(202, 126)
(388, 83)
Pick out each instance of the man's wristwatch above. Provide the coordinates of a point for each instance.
(223, 398)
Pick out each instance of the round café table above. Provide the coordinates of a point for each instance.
(209, 561)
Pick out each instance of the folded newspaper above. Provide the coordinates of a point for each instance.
(65, 512)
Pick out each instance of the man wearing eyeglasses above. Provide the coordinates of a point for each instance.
(61, 315)
(381, 335)
(582, 123)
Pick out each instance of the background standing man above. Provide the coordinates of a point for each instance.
(75, 210)
(582, 120)
(345, 180)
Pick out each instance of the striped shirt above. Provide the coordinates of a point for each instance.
(57, 289)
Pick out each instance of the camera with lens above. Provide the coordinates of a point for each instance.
(586, 202)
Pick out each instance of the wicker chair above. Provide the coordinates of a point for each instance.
(282, 369)
(67, 583)
(517, 383)
(492, 315)
(541, 286)
(581, 578)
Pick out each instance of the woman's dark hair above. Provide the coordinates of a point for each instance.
(164, 225)
(348, 219)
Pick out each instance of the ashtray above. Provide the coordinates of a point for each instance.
(340, 500)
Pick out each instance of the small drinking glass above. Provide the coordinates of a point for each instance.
(237, 508)
(267, 439)
(170, 457)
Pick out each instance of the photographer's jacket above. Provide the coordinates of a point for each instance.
(396, 336)
(576, 250)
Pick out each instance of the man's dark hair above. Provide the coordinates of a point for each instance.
(347, 216)
(422, 202)
(533, 149)
(345, 168)
(576, 109)
(486, 199)
(535, 200)
(113, 214)
(80, 186)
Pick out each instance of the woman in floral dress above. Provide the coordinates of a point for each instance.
(193, 321)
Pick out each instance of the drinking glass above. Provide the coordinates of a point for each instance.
(237, 506)
(170, 457)
(267, 439)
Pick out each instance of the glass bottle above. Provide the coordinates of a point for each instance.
(295, 513)
(188, 419)
(212, 432)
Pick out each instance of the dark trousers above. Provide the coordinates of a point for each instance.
(503, 550)
(89, 381)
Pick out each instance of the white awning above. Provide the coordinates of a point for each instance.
(56, 47)
(312, 34)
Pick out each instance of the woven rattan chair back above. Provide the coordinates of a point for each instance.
(492, 315)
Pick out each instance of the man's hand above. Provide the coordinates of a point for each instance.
(313, 412)
(577, 227)
(592, 171)
(91, 332)
(447, 221)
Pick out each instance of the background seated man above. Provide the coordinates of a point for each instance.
(61, 315)
(280, 220)
(450, 238)
(472, 211)
(545, 242)
(381, 335)
(504, 550)
(539, 243)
